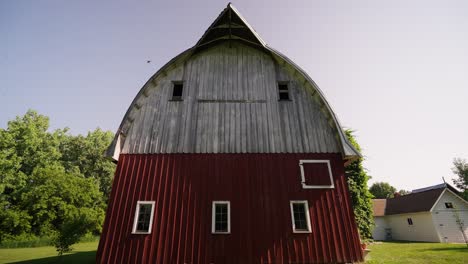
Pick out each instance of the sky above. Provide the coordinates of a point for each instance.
(396, 72)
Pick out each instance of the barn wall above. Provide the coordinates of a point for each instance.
(259, 187)
(230, 105)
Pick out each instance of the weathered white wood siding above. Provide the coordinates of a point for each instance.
(230, 105)
(421, 230)
(445, 219)
(379, 233)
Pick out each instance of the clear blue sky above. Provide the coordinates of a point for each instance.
(395, 71)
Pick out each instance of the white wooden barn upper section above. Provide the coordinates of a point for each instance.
(230, 102)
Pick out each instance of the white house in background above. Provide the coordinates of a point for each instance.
(432, 214)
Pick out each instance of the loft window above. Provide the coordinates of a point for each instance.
(143, 217)
(410, 221)
(283, 91)
(300, 217)
(448, 205)
(316, 174)
(177, 90)
(221, 218)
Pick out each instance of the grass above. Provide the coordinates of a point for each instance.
(414, 252)
(33, 241)
(82, 253)
(387, 252)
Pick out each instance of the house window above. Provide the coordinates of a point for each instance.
(316, 174)
(410, 221)
(143, 217)
(283, 91)
(300, 217)
(221, 217)
(177, 90)
(449, 205)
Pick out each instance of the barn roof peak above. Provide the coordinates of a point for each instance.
(230, 25)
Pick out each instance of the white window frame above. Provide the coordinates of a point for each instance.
(213, 218)
(305, 202)
(137, 212)
(303, 181)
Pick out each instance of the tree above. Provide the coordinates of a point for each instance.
(48, 178)
(70, 232)
(24, 145)
(55, 195)
(382, 190)
(460, 168)
(86, 155)
(403, 192)
(361, 198)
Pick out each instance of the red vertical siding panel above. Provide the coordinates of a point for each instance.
(154, 196)
(259, 187)
(106, 237)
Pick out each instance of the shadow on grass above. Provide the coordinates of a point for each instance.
(449, 249)
(406, 242)
(72, 258)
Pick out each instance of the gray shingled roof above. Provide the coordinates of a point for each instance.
(414, 202)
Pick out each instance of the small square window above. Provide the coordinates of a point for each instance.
(177, 91)
(449, 205)
(283, 91)
(300, 216)
(221, 217)
(143, 217)
(410, 221)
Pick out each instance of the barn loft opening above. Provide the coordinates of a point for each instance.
(283, 91)
(316, 174)
(177, 90)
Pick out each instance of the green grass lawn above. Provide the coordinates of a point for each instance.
(388, 252)
(413, 252)
(82, 253)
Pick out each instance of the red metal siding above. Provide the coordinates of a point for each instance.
(259, 187)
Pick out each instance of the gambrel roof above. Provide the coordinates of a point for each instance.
(230, 25)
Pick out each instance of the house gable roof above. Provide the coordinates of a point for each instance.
(419, 200)
(414, 202)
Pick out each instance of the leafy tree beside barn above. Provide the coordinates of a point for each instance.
(460, 169)
(48, 177)
(382, 190)
(360, 196)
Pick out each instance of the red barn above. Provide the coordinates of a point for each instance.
(230, 154)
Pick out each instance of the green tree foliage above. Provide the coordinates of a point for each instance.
(360, 196)
(70, 232)
(48, 178)
(54, 195)
(403, 192)
(460, 168)
(86, 155)
(382, 190)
